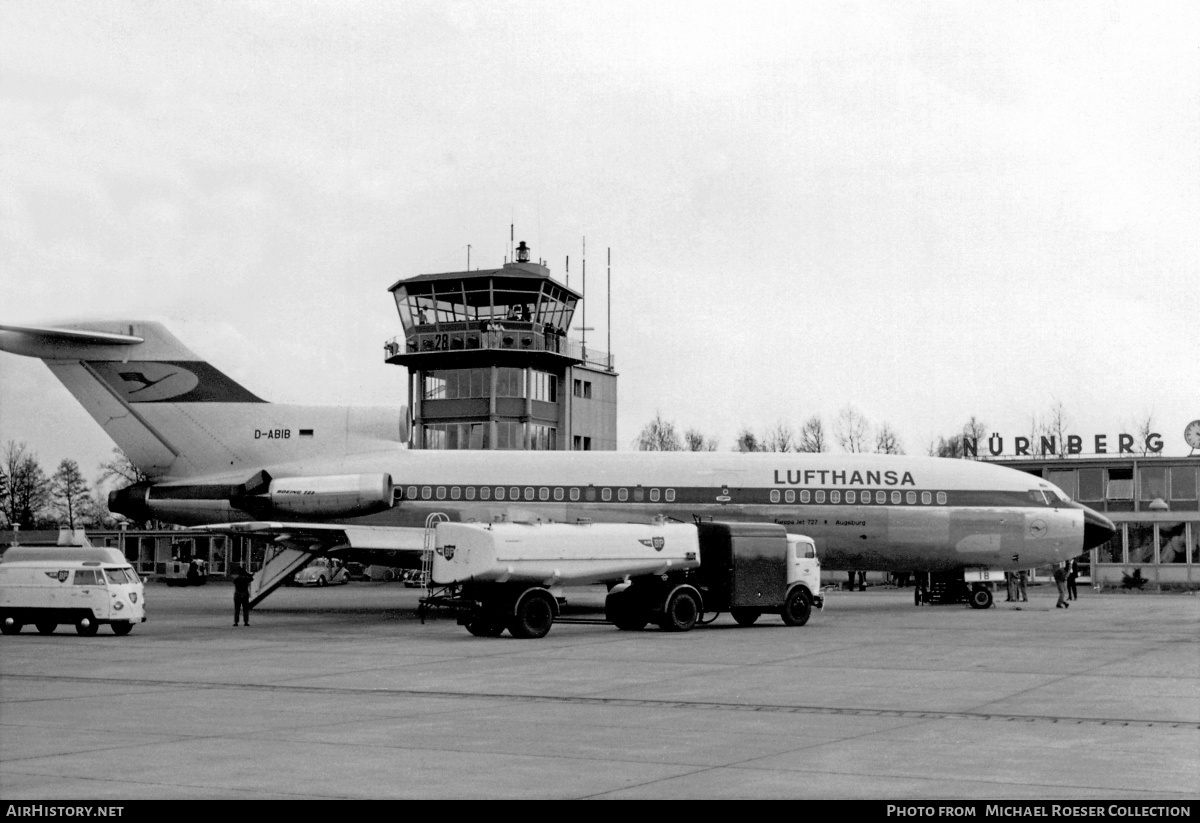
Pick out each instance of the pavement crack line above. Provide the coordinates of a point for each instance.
(630, 702)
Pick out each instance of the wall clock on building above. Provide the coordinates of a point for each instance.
(1191, 434)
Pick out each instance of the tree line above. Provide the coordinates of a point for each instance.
(32, 499)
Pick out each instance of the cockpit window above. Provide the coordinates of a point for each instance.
(1036, 496)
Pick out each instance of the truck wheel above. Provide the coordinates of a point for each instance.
(981, 598)
(10, 626)
(797, 608)
(745, 617)
(87, 627)
(681, 613)
(486, 625)
(46, 628)
(533, 617)
(122, 628)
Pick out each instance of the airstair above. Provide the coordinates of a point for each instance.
(280, 564)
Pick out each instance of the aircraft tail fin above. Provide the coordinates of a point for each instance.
(175, 415)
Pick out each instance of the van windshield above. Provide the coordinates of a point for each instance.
(121, 575)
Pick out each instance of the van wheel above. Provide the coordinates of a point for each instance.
(46, 628)
(87, 627)
(10, 626)
(681, 613)
(533, 617)
(122, 628)
(797, 608)
(745, 617)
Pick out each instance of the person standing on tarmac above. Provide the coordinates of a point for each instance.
(1072, 574)
(1060, 580)
(241, 595)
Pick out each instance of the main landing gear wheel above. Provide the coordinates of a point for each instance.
(745, 617)
(681, 613)
(533, 617)
(981, 598)
(46, 628)
(797, 608)
(87, 627)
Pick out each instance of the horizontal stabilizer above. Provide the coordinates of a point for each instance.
(98, 338)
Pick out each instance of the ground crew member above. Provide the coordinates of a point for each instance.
(241, 595)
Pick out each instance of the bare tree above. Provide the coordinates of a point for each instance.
(812, 436)
(886, 441)
(947, 448)
(1055, 424)
(851, 430)
(27, 488)
(694, 441)
(69, 494)
(658, 436)
(746, 441)
(121, 470)
(779, 438)
(1145, 427)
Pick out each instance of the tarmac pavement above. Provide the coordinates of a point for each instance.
(343, 693)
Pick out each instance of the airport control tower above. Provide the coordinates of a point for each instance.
(491, 364)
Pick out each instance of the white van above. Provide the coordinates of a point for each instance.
(81, 585)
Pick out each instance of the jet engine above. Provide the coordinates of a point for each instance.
(340, 495)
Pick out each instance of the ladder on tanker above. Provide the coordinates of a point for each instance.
(427, 552)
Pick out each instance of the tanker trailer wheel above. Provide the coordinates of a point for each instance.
(625, 612)
(797, 608)
(122, 627)
(87, 626)
(533, 616)
(488, 626)
(46, 627)
(981, 598)
(745, 617)
(681, 613)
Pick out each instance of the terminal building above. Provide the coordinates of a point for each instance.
(1153, 502)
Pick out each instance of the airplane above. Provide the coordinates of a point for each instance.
(338, 479)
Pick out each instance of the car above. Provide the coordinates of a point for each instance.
(416, 579)
(322, 571)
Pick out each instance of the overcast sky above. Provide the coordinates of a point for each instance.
(924, 210)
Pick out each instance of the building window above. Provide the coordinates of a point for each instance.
(587, 444)
(1141, 542)
(1153, 482)
(1091, 484)
(1065, 480)
(577, 443)
(1171, 546)
(1112, 551)
(1183, 483)
(578, 388)
(1120, 484)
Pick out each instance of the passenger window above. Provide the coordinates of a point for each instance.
(499, 492)
(574, 495)
(670, 495)
(544, 493)
(851, 497)
(411, 494)
(789, 496)
(639, 495)
(441, 492)
(606, 495)
(591, 493)
(881, 497)
(941, 498)
(455, 492)
(426, 492)
(654, 495)
(470, 492)
(558, 494)
(820, 496)
(485, 493)
(896, 498)
(926, 498)
(514, 493)
(529, 492)
(835, 496)
(774, 495)
(622, 494)
(911, 498)
(804, 496)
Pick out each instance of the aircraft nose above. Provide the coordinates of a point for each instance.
(1097, 529)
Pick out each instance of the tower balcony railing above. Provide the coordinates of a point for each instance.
(507, 335)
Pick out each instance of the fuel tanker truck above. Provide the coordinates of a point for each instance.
(507, 575)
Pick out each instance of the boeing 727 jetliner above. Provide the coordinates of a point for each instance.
(317, 479)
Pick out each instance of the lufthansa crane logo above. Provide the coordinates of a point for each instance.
(1037, 528)
(656, 543)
